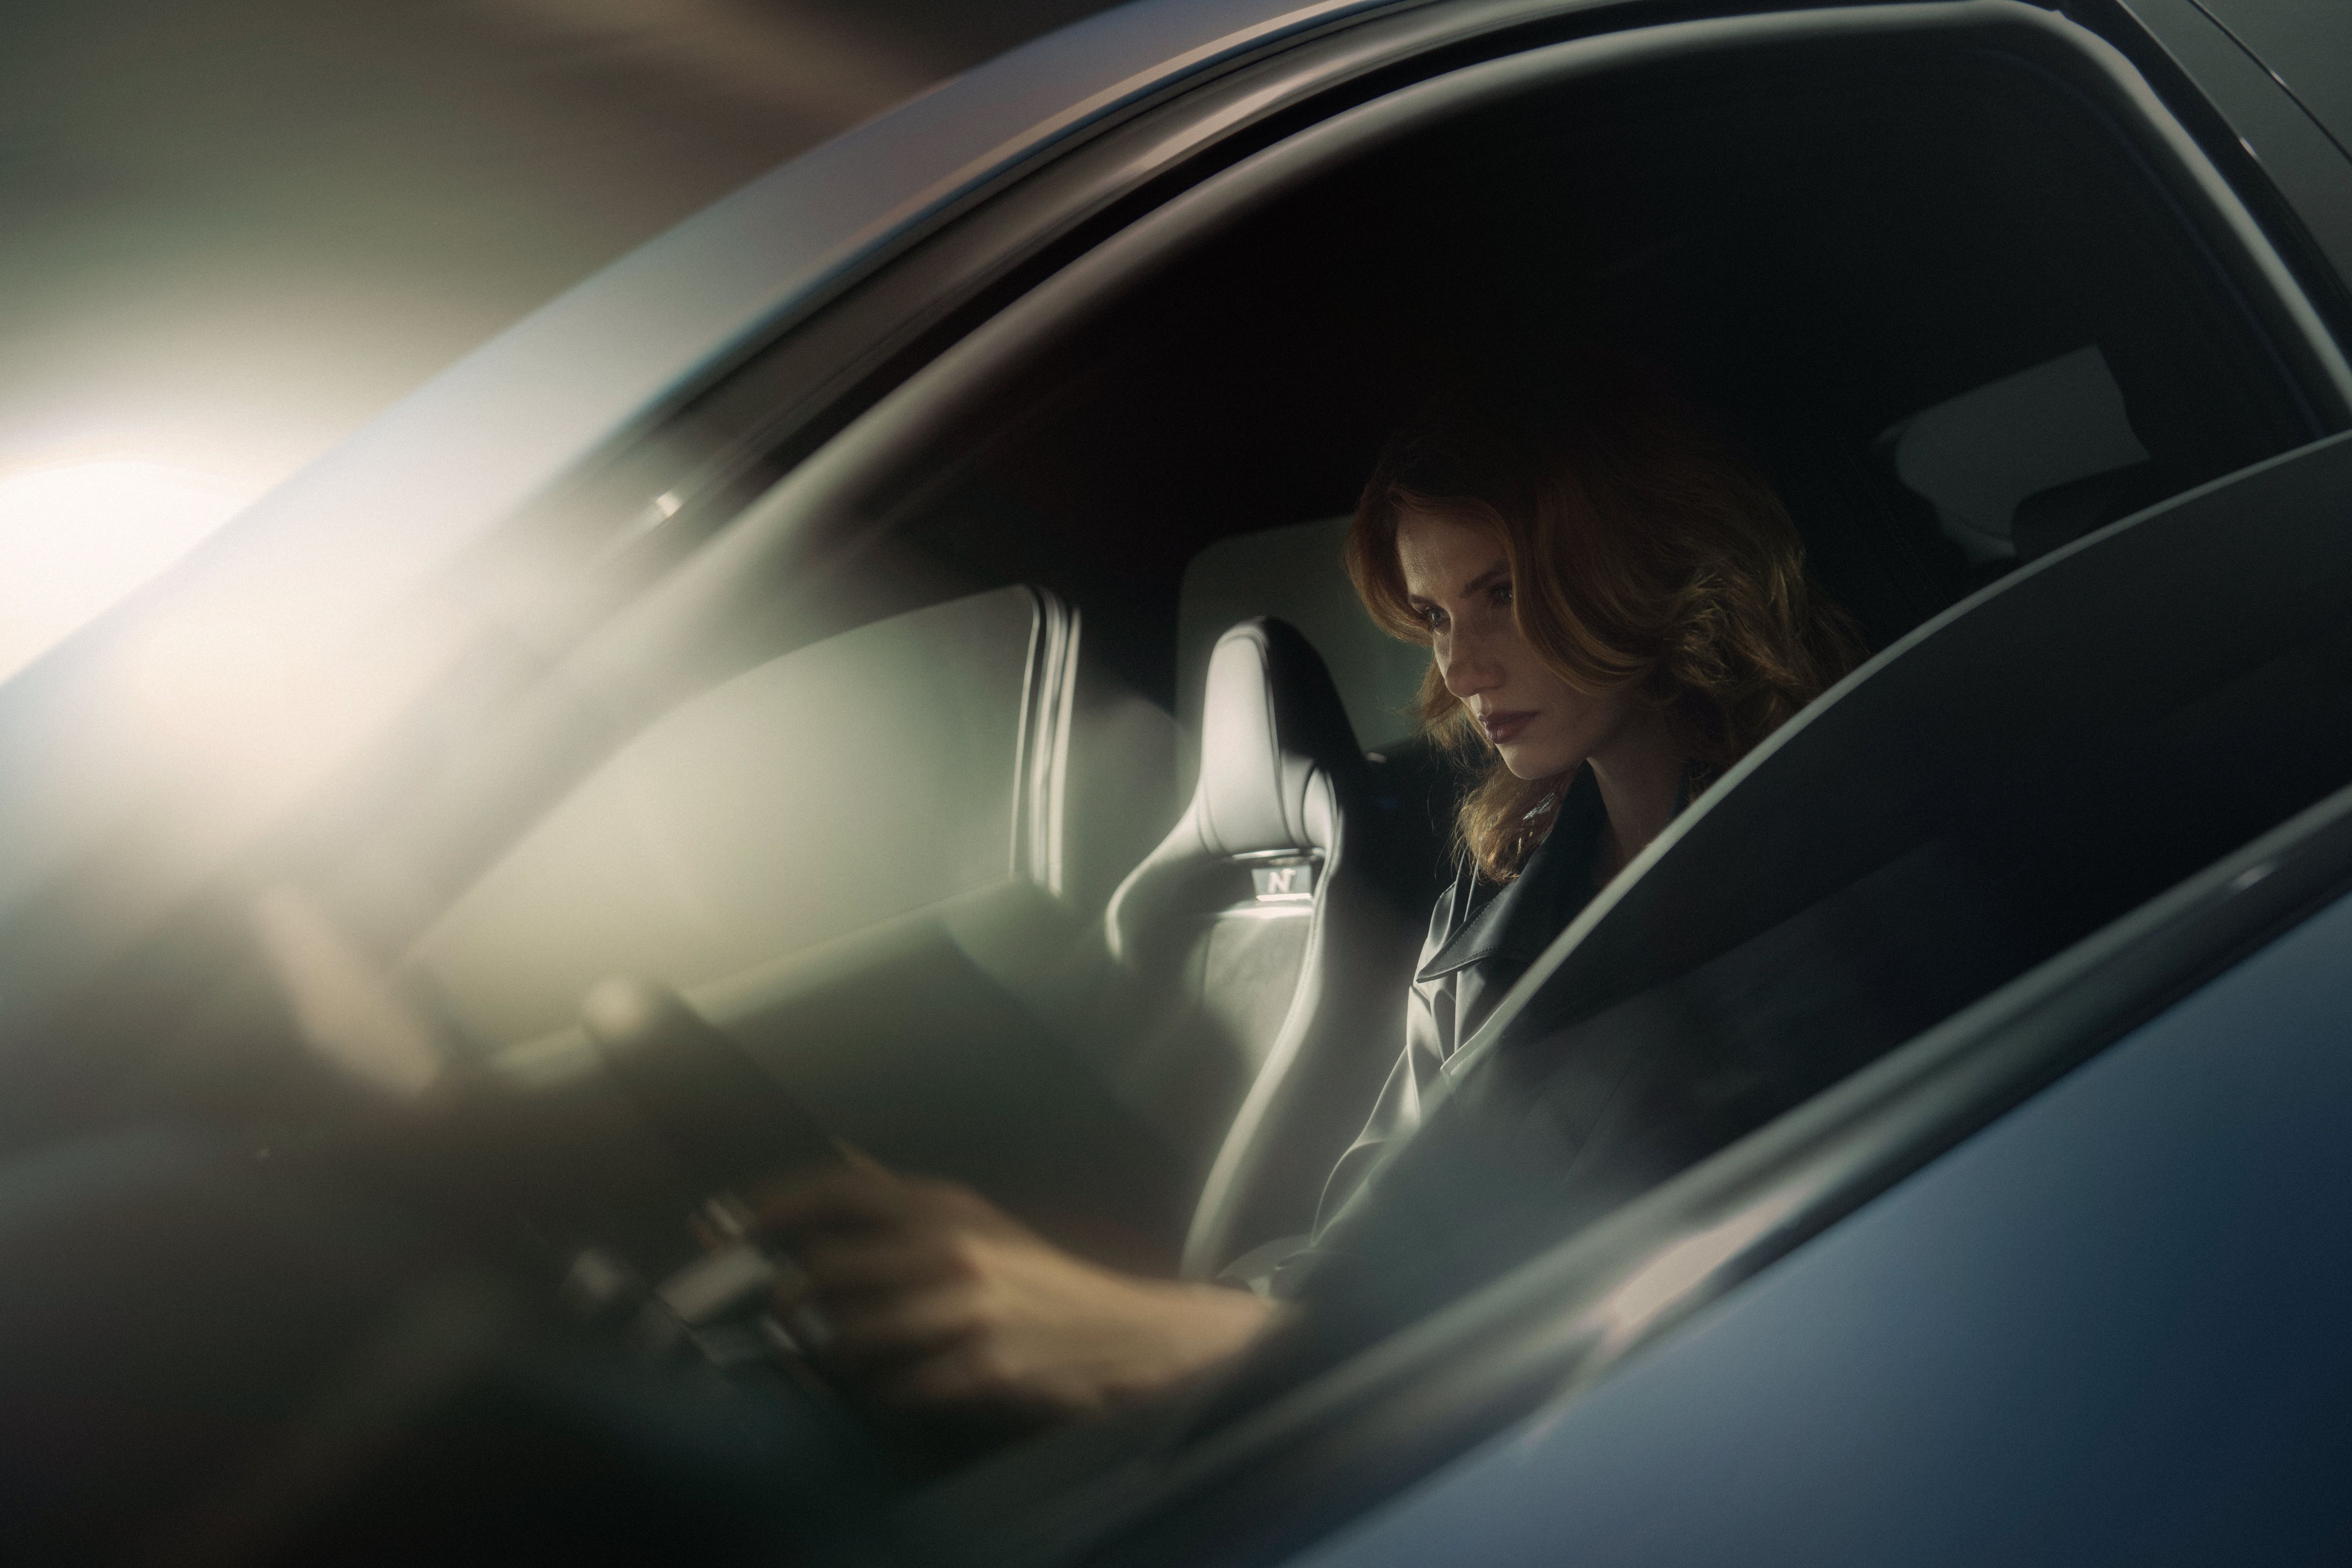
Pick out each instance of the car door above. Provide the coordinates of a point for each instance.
(2062, 1284)
(1967, 1280)
(2107, 1329)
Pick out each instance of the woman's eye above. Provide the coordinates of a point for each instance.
(1502, 595)
(1432, 616)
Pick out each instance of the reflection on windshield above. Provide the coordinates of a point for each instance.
(76, 538)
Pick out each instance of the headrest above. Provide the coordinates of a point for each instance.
(1271, 720)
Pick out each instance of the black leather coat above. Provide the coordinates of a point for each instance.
(1481, 939)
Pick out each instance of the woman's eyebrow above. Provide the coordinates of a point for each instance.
(1487, 579)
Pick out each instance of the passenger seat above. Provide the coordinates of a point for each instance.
(1267, 944)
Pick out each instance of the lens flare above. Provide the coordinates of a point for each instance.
(76, 538)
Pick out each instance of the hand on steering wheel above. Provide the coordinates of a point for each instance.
(936, 1299)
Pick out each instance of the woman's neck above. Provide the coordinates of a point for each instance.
(1640, 775)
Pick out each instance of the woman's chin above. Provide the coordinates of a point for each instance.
(1533, 763)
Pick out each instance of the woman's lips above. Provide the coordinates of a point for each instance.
(1502, 729)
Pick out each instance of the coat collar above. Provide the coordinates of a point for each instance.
(1521, 917)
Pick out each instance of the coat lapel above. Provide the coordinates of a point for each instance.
(1492, 948)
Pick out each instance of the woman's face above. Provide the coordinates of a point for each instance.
(1459, 584)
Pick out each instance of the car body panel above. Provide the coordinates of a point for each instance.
(2293, 149)
(2107, 1329)
(2308, 48)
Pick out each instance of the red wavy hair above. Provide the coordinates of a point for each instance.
(1644, 556)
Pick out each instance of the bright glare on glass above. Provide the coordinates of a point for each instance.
(76, 538)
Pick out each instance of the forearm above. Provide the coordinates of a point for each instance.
(1181, 1328)
(937, 1298)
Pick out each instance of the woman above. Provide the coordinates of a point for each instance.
(1617, 610)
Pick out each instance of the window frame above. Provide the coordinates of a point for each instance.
(887, 460)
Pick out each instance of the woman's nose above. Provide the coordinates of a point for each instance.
(1469, 666)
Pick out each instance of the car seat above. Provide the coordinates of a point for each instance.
(1269, 940)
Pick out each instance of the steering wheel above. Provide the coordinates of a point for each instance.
(730, 1124)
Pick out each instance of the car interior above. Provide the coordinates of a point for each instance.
(1944, 307)
(1059, 824)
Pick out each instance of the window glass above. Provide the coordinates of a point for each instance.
(856, 779)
